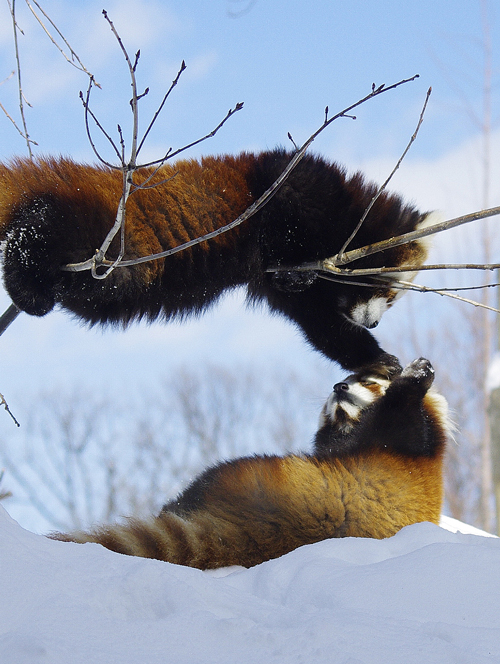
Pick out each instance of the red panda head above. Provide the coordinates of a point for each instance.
(349, 399)
(370, 297)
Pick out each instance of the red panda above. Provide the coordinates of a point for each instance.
(54, 212)
(376, 467)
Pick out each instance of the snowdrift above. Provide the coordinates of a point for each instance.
(426, 596)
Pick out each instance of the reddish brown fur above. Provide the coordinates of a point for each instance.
(196, 199)
(253, 509)
(55, 212)
(265, 507)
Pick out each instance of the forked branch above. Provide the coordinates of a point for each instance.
(391, 175)
(257, 205)
(6, 406)
(130, 166)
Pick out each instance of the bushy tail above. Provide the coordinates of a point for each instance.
(171, 538)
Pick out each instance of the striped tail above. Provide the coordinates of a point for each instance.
(202, 543)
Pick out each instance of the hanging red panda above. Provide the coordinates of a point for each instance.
(54, 212)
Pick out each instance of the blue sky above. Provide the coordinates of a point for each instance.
(286, 61)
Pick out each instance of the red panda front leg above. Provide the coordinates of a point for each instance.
(400, 421)
(317, 313)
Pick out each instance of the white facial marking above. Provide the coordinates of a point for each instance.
(354, 399)
(368, 314)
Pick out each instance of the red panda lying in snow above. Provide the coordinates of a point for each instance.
(54, 212)
(376, 467)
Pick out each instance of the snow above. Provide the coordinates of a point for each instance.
(493, 376)
(426, 595)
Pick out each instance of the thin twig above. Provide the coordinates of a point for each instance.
(88, 111)
(6, 406)
(399, 284)
(18, 129)
(169, 155)
(129, 167)
(7, 78)
(384, 185)
(133, 102)
(421, 268)
(257, 205)
(408, 285)
(74, 56)
(160, 107)
(22, 98)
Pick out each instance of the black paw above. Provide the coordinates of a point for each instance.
(293, 281)
(30, 271)
(385, 366)
(421, 371)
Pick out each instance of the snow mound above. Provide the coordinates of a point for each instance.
(426, 595)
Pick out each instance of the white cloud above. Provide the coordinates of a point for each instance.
(140, 24)
(199, 66)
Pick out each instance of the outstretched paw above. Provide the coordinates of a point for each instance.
(421, 371)
(386, 366)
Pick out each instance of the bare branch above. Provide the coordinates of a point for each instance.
(384, 185)
(80, 66)
(88, 111)
(7, 78)
(355, 254)
(134, 101)
(257, 205)
(22, 98)
(6, 406)
(408, 285)
(321, 266)
(18, 129)
(211, 134)
(129, 167)
(160, 107)
(437, 266)
(8, 316)
(330, 266)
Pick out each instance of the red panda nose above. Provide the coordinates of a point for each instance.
(338, 388)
